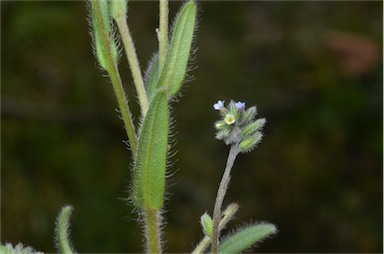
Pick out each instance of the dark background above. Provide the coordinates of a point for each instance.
(314, 69)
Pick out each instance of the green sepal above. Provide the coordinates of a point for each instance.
(249, 115)
(253, 127)
(223, 133)
(233, 110)
(247, 144)
(221, 125)
(176, 62)
(103, 28)
(207, 224)
(152, 76)
(246, 237)
(149, 171)
(119, 8)
(63, 243)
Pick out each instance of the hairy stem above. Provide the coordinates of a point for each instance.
(152, 222)
(163, 33)
(233, 152)
(116, 80)
(124, 109)
(227, 216)
(133, 62)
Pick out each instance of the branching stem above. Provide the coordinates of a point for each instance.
(233, 152)
(133, 62)
(227, 216)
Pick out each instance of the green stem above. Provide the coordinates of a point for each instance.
(227, 216)
(116, 80)
(233, 152)
(124, 109)
(152, 222)
(163, 33)
(133, 62)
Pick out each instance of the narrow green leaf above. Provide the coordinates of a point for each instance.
(152, 76)
(102, 33)
(179, 49)
(246, 237)
(62, 231)
(149, 178)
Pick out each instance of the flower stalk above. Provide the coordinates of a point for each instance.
(233, 152)
(239, 129)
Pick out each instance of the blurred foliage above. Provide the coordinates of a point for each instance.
(313, 68)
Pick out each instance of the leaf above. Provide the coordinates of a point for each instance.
(175, 66)
(152, 76)
(246, 237)
(62, 231)
(149, 176)
(102, 32)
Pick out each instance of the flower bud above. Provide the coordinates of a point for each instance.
(223, 133)
(249, 143)
(206, 224)
(252, 127)
(249, 114)
(220, 125)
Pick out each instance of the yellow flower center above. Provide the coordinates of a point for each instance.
(229, 119)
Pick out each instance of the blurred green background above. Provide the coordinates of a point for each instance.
(314, 69)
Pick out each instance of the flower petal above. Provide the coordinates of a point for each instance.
(240, 105)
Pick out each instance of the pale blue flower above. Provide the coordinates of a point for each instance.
(218, 105)
(240, 105)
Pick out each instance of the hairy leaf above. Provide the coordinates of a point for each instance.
(246, 237)
(149, 176)
(102, 32)
(152, 76)
(62, 231)
(175, 67)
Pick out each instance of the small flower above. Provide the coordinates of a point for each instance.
(218, 105)
(240, 105)
(238, 125)
(229, 119)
